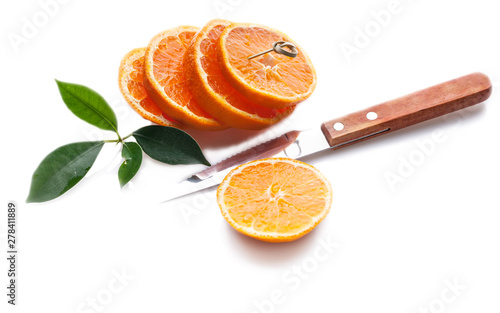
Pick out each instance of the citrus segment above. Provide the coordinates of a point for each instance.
(165, 81)
(132, 88)
(214, 93)
(274, 199)
(273, 80)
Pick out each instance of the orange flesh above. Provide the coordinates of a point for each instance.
(276, 197)
(219, 84)
(271, 72)
(168, 72)
(138, 92)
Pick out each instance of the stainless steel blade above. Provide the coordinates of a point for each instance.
(263, 150)
(190, 186)
(307, 142)
(293, 144)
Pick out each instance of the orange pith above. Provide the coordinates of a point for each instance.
(130, 81)
(275, 199)
(214, 93)
(165, 81)
(273, 80)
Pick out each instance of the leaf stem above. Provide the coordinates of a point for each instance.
(119, 137)
(129, 135)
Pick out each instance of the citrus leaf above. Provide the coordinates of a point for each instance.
(169, 145)
(88, 105)
(132, 153)
(62, 169)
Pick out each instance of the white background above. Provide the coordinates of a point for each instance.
(396, 250)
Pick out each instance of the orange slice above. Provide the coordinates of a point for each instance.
(165, 81)
(273, 80)
(132, 89)
(214, 93)
(275, 199)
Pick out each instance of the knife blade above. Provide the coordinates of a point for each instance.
(371, 122)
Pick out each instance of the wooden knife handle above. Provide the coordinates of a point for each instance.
(411, 109)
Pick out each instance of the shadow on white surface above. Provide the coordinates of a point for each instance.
(234, 137)
(224, 138)
(453, 120)
(270, 253)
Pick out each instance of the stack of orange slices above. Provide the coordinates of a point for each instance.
(202, 78)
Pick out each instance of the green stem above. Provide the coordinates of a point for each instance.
(129, 135)
(120, 139)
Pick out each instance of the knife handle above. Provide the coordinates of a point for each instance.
(408, 110)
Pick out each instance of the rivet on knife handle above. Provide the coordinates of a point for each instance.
(405, 111)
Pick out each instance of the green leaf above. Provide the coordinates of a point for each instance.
(88, 105)
(169, 145)
(132, 153)
(62, 169)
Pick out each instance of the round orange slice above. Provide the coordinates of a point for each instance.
(273, 80)
(132, 89)
(214, 93)
(275, 199)
(165, 81)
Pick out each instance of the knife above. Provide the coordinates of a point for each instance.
(369, 123)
